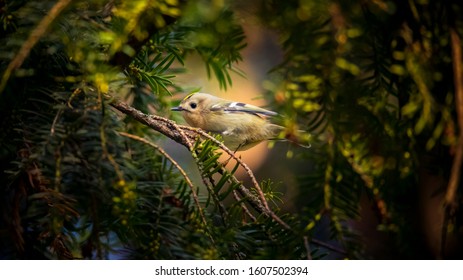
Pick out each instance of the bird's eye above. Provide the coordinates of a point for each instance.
(193, 105)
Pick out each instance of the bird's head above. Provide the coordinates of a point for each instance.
(194, 108)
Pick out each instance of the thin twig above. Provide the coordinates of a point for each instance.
(252, 199)
(243, 206)
(248, 170)
(210, 189)
(258, 205)
(179, 168)
(33, 38)
(232, 154)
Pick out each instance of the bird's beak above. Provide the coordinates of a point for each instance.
(179, 108)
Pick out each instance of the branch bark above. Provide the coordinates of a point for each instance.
(450, 200)
(450, 197)
(160, 124)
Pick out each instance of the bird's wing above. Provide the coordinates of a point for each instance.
(231, 107)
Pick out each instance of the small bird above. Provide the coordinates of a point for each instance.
(241, 125)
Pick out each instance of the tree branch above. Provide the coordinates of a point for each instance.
(180, 169)
(160, 124)
(454, 180)
(450, 201)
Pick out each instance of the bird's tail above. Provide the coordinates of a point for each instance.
(299, 137)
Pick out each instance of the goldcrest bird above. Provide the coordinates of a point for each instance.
(241, 125)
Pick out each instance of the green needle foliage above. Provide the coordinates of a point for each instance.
(373, 83)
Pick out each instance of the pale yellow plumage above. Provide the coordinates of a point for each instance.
(241, 125)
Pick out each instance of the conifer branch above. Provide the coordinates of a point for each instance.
(180, 134)
(179, 168)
